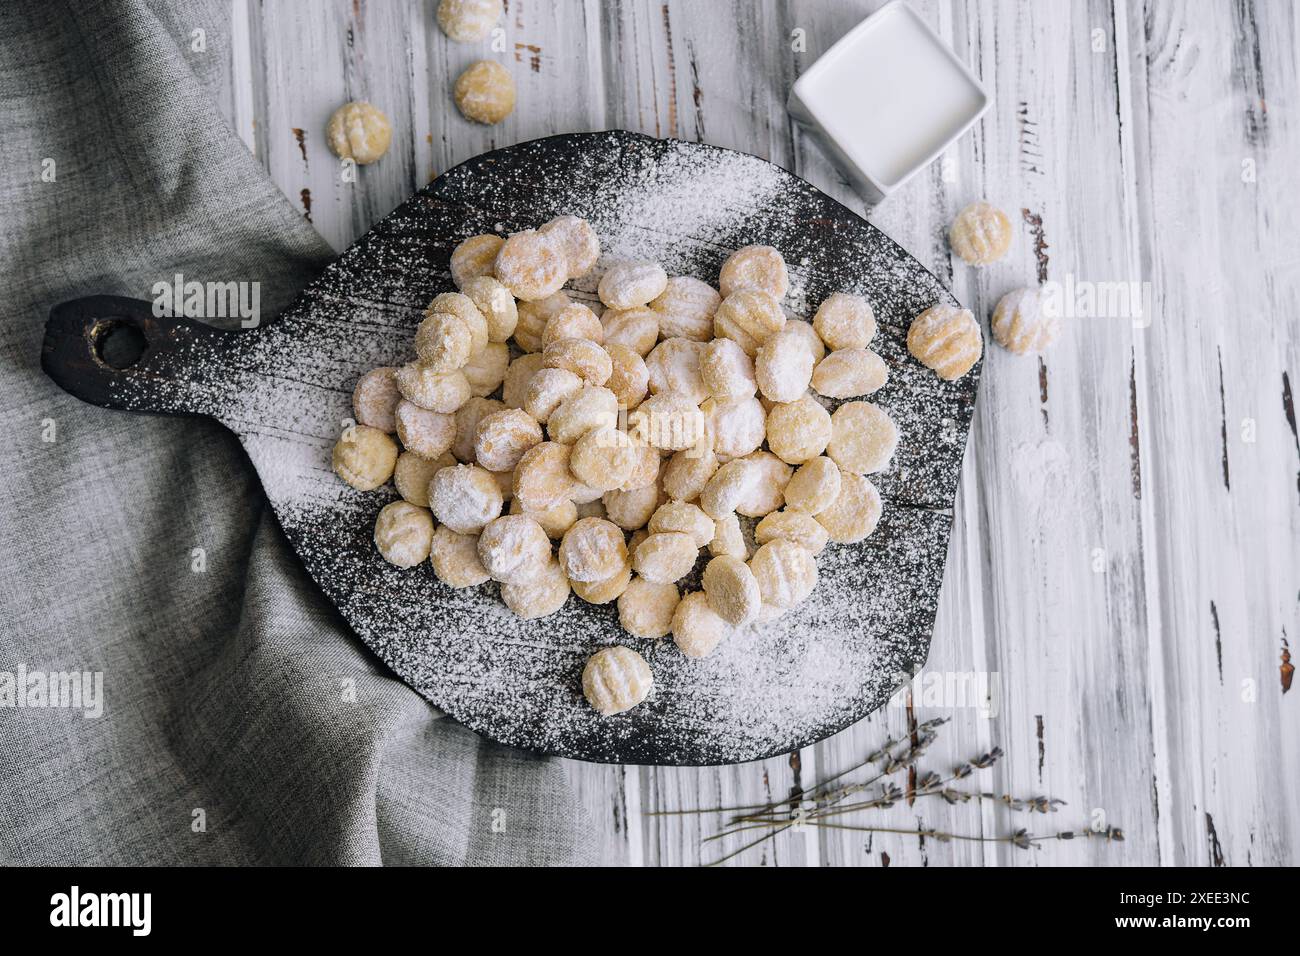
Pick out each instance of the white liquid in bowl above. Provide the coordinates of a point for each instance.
(891, 95)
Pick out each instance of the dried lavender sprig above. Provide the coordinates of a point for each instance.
(926, 736)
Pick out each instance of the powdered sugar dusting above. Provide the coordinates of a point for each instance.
(285, 389)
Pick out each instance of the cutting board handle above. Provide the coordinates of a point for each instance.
(114, 352)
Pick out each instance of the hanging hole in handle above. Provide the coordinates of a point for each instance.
(117, 343)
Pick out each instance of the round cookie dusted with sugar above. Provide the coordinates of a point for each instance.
(593, 407)
(514, 549)
(465, 498)
(786, 573)
(637, 328)
(532, 319)
(437, 391)
(687, 472)
(732, 590)
(604, 458)
(375, 399)
(697, 628)
(359, 131)
(461, 305)
(848, 373)
(757, 268)
(667, 421)
(626, 285)
(578, 240)
(735, 428)
(674, 366)
(685, 518)
(845, 321)
(799, 431)
(485, 92)
(593, 550)
(686, 307)
(766, 492)
(541, 595)
(980, 234)
(748, 318)
(403, 533)
(454, 558)
(863, 438)
(574, 321)
(645, 609)
(856, 510)
(665, 557)
(532, 266)
(616, 679)
(629, 379)
(444, 342)
(413, 472)
(487, 370)
(1021, 326)
(424, 432)
(783, 366)
(364, 457)
(947, 339)
(797, 526)
(474, 257)
(582, 357)
(808, 335)
(494, 302)
(547, 389)
(542, 479)
(728, 487)
(814, 486)
(501, 438)
(468, 21)
(631, 510)
(726, 371)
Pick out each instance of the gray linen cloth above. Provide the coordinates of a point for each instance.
(229, 734)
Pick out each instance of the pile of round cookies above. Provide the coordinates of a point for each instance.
(629, 436)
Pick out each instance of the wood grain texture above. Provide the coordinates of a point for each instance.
(1124, 562)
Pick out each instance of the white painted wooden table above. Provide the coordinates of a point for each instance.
(1125, 561)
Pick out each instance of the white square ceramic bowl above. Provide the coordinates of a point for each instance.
(887, 99)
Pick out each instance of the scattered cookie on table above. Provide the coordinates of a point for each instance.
(485, 92)
(468, 21)
(679, 433)
(981, 234)
(359, 131)
(1021, 326)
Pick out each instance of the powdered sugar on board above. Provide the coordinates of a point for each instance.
(285, 390)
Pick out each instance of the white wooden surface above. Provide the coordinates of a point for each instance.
(1125, 561)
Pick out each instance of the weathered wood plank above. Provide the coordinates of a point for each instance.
(1220, 456)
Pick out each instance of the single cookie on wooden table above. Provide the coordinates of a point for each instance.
(469, 21)
(1021, 325)
(981, 234)
(359, 131)
(485, 92)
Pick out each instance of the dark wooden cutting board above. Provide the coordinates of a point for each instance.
(285, 387)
